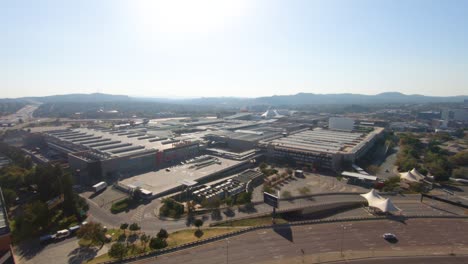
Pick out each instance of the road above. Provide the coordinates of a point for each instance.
(65, 251)
(325, 242)
(25, 113)
(144, 215)
(412, 260)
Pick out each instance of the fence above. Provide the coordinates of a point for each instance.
(157, 253)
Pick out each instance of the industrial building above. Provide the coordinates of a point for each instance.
(158, 158)
(322, 148)
(104, 154)
(341, 123)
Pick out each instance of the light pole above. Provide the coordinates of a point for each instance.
(342, 238)
(227, 250)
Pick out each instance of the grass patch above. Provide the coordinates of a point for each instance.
(115, 233)
(264, 220)
(186, 236)
(175, 239)
(123, 205)
(99, 259)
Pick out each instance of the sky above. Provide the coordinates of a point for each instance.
(242, 48)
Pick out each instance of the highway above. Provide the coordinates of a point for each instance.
(326, 242)
(412, 260)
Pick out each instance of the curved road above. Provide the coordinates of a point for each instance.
(325, 242)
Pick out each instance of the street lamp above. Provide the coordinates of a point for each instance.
(342, 238)
(227, 250)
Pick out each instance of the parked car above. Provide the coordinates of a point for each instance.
(62, 234)
(46, 239)
(73, 229)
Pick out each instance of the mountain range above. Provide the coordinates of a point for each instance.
(276, 100)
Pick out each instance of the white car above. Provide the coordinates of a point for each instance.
(389, 236)
(62, 233)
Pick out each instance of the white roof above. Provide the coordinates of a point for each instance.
(386, 205)
(377, 201)
(372, 197)
(408, 176)
(358, 175)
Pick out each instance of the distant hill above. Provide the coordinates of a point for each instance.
(78, 98)
(276, 100)
(348, 98)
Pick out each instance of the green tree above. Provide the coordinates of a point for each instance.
(198, 223)
(69, 202)
(144, 240)
(157, 243)
(10, 197)
(124, 226)
(244, 198)
(213, 203)
(94, 232)
(118, 250)
(460, 173)
(460, 159)
(134, 227)
(163, 234)
(36, 215)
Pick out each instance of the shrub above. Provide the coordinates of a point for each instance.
(157, 243)
(171, 208)
(120, 206)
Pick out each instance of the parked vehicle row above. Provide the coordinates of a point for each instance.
(61, 234)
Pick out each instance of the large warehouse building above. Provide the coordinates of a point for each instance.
(322, 148)
(96, 154)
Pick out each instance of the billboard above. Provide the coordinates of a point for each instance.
(270, 199)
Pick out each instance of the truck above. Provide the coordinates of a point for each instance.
(99, 187)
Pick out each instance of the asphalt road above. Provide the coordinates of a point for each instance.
(412, 260)
(305, 243)
(65, 251)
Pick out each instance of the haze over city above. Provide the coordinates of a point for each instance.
(234, 131)
(243, 48)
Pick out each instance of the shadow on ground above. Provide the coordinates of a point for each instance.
(284, 231)
(29, 249)
(81, 254)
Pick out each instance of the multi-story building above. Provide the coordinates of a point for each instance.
(322, 148)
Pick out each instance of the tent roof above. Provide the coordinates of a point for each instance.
(417, 173)
(377, 201)
(372, 197)
(385, 205)
(409, 177)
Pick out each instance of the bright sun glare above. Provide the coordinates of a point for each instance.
(188, 16)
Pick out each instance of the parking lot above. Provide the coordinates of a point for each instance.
(167, 179)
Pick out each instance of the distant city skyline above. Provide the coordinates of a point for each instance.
(233, 48)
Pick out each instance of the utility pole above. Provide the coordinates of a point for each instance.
(342, 238)
(227, 250)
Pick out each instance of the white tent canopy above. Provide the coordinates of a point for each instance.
(385, 205)
(377, 201)
(412, 176)
(372, 196)
(417, 173)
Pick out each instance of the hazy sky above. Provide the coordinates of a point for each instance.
(233, 48)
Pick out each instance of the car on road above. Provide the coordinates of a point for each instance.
(62, 234)
(390, 237)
